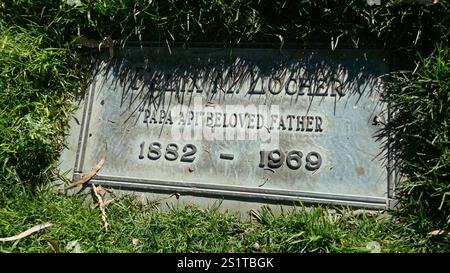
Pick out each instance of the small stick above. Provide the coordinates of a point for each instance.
(101, 206)
(26, 233)
(85, 178)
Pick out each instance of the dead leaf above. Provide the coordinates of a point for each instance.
(85, 178)
(53, 246)
(101, 190)
(439, 232)
(102, 207)
(26, 233)
(93, 206)
(108, 202)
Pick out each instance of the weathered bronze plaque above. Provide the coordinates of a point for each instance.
(261, 124)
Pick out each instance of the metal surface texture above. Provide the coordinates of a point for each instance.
(251, 124)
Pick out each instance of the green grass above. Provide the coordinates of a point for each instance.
(191, 229)
(392, 25)
(41, 71)
(421, 100)
(36, 86)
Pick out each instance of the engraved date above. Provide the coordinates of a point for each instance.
(155, 151)
(276, 158)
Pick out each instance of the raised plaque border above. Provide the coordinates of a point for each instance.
(239, 193)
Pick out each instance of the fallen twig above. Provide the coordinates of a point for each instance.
(53, 246)
(439, 232)
(106, 203)
(26, 233)
(85, 178)
(102, 206)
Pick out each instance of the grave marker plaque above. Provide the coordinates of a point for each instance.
(262, 124)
